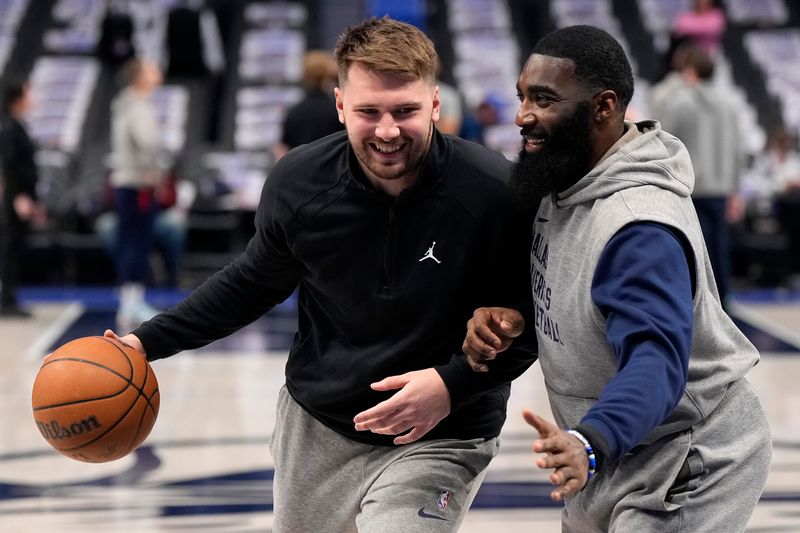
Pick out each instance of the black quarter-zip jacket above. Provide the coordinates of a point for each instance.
(385, 285)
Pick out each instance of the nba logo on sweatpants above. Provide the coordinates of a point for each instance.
(441, 502)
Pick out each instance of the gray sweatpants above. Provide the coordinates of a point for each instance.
(707, 479)
(327, 482)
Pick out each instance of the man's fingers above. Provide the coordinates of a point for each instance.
(565, 457)
(477, 366)
(509, 322)
(566, 478)
(492, 329)
(476, 342)
(129, 340)
(572, 486)
(390, 383)
(392, 429)
(541, 425)
(490, 334)
(558, 461)
(377, 412)
(412, 436)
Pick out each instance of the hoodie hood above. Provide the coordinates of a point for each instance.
(653, 158)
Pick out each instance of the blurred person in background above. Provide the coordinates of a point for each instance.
(195, 58)
(175, 198)
(116, 47)
(661, 92)
(774, 172)
(485, 114)
(704, 25)
(706, 120)
(781, 165)
(452, 112)
(21, 206)
(771, 191)
(136, 177)
(315, 115)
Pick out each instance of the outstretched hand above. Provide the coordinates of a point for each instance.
(565, 454)
(489, 332)
(421, 402)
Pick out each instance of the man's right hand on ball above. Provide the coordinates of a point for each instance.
(130, 339)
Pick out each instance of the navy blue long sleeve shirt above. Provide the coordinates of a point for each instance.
(643, 285)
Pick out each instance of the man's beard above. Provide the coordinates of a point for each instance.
(414, 161)
(564, 159)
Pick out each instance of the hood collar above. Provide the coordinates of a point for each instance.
(644, 155)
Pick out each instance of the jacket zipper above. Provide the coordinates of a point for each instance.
(388, 252)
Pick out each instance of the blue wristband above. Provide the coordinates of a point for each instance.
(589, 451)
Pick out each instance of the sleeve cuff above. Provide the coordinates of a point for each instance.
(460, 379)
(149, 341)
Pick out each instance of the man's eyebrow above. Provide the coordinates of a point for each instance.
(540, 89)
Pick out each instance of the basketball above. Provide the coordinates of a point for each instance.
(95, 399)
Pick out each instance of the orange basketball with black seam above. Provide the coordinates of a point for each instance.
(95, 399)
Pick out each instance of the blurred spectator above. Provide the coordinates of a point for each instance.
(115, 47)
(781, 161)
(195, 58)
(779, 167)
(169, 229)
(775, 171)
(136, 177)
(194, 44)
(661, 92)
(706, 120)
(315, 115)
(20, 204)
(451, 111)
(486, 114)
(704, 25)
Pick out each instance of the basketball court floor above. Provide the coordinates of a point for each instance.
(206, 466)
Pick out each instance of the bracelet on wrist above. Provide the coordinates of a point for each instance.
(589, 451)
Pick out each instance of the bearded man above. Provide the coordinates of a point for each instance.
(657, 427)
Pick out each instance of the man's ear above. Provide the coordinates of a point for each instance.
(606, 104)
(337, 93)
(437, 104)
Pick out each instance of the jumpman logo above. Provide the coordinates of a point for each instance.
(429, 254)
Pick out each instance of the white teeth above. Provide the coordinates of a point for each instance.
(390, 149)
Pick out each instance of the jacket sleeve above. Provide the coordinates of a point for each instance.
(464, 384)
(506, 284)
(263, 276)
(643, 287)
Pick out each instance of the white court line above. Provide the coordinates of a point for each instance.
(52, 332)
(770, 326)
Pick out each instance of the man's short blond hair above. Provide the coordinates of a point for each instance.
(387, 46)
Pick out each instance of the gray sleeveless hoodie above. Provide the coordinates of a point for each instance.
(648, 178)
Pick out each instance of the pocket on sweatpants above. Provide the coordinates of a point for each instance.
(687, 479)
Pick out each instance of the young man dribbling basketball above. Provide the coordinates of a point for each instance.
(347, 219)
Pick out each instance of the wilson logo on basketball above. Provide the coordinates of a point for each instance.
(55, 431)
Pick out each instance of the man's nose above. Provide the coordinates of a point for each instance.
(387, 128)
(525, 117)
